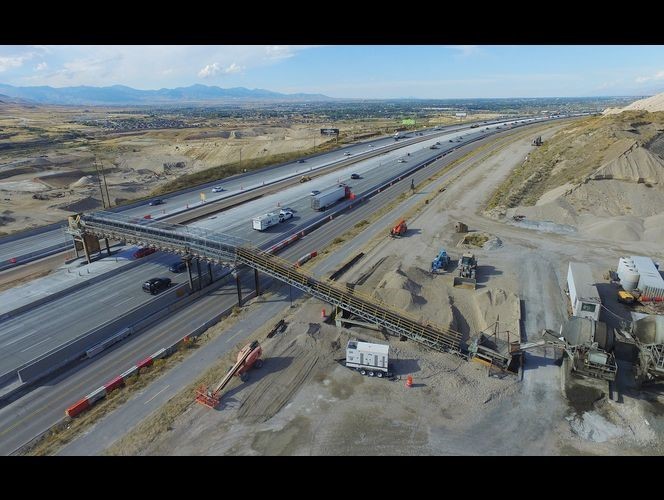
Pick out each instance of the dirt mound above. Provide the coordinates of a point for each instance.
(82, 205)
(83, 182)
(637, 164)
(651, 104)
(623, 199)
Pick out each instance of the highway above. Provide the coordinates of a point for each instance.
(27, 417)
(36, 332)
(32, 246)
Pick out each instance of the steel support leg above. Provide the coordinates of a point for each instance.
(87, 253)
(257, 282)
(239, 290)
(200, 278)
(108, 248)
(210, 271)
(191, 281)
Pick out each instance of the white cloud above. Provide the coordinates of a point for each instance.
(279, 51)
(215, 68)
(11, 62)
(41, 66)
(233, 68)
(466, 50)
(657, 76)
(209, 70)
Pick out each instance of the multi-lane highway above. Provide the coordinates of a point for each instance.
(32, 246)
(27, 417)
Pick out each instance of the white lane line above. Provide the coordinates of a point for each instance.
(234, 335)
(156, 394)
(31, 332)
(35, 345)
(125, 300)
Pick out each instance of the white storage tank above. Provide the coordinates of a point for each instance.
(628, 274)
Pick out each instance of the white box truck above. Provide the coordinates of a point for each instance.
(368, 358)
(583, 294)
(262, 222)
(329, 197)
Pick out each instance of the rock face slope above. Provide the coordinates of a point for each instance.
(652, 104)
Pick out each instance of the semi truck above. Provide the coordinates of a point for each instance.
(583, 294)
(329, 197)
(368, 358)
(262, 222)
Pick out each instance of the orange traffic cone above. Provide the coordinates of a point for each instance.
(409, 381)
(322, 313)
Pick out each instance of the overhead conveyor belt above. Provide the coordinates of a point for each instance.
(221, 248)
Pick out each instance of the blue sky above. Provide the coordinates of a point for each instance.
(384, 71)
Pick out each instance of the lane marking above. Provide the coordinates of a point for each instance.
(31, 332)
(35, 345)
(156, 394)
(123, 301)
(233, 336)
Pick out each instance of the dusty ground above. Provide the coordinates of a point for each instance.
(305, 402)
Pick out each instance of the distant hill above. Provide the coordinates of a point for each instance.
(122, 95)
(651, 104)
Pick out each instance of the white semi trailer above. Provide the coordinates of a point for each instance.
(329, 197)
(368, 358)
(583, 293)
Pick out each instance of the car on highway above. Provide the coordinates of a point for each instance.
(301, 161)
(142, 252)
(178, 267)
(451, 140)
(401, 160)
(156, 285)
(355, 176)
(285, 215)
(218, 189)
(371, 145)
(156, 201)
(347, 153)
(286, 209)
(314, 192)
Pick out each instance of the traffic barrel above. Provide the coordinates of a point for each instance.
(409, 381)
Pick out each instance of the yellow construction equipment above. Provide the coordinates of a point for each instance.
(305, 178)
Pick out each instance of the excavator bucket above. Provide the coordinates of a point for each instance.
(460, 282)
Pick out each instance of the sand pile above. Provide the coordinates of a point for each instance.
(652, 104)
(623, 199)
(496, 304)
(409, 289)
(83, 182)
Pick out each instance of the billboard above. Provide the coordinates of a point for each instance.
(461, 115)
(408, 121)
(329, 131)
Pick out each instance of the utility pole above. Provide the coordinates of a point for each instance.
(101, 189)
(108, 197)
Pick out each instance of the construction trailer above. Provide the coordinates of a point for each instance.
(262, 222)
(368, 358)
(583, 294)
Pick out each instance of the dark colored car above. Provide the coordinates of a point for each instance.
(156, 285)
(300, 161)
(156, 201)
(355, 176)
(142, 252)
(178, 267)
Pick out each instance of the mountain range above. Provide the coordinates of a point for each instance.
(122, 95)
